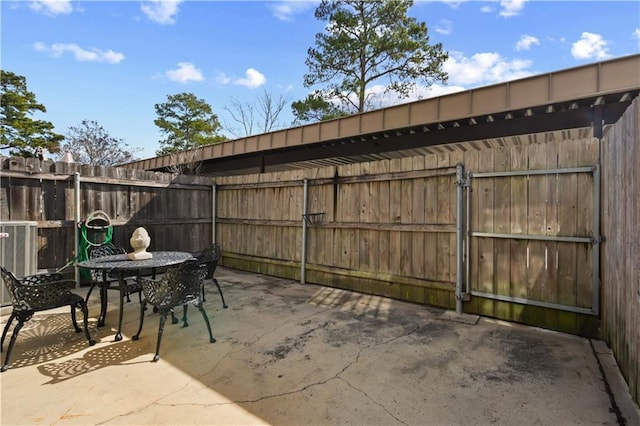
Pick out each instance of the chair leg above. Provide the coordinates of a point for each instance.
(206, 320)
(163, 318)
(22, 318)
(85, 320)
(73, 318)
(6, 329)
(143, 307)
(224, 305)
(184, 316)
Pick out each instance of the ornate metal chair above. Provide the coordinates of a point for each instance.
(104, 279)
(36, 293)
(210, 257)
(98, 277)
(180, 285)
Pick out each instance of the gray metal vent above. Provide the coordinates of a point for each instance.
(18, 250)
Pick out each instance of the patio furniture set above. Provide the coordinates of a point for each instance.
(181, 283)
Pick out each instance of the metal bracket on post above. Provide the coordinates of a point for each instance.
(463, 181)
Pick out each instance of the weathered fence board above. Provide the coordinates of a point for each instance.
(621, 245)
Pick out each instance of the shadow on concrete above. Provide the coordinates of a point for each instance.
(303, 354)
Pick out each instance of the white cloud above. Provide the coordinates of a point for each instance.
(253, 78)
(80, 54)
(52, 7)
(484, 68)
(185, 73)
(444, 27)
(486, 9)
(526, 41)
(636, 35)
(380, 99)
(453, 4)
(222, 78)
(161, 11)
(511, 7)
(590, 46)
(284, 10)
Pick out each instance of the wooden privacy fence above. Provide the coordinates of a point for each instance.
(529, 220)
(390, 228)
(176, 210)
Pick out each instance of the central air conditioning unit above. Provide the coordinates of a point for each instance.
(18, 250)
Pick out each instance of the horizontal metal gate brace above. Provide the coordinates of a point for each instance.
(534, 237)
(523, 301)
(565, 170)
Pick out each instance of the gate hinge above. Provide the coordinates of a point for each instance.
(465, 183)
(465, 297)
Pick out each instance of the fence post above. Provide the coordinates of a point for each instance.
(303, 262)
(213, 213)
(597, 238)
(76, 225)
(460, 183)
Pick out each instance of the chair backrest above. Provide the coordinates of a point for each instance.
(178, 285)
(34, 291)
(105, 250)
(102, 251)
(210, 257)
(11, 282)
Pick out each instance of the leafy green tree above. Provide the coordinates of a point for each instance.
(90, 143)
(367, 41)
(315, 108)
(187, 122)
(21, 134)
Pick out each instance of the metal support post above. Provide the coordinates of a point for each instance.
(213, 213)
(460, 182)
(303, 260)
(76, 225)
(467, 233)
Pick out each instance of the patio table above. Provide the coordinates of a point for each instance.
(123, 267)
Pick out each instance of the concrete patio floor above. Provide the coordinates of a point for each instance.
(292, 354)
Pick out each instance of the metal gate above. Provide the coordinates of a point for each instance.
(550, 262)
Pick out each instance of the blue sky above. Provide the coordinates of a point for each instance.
(112, 61)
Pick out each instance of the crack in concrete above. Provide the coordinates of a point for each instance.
(337, 376)
(366, 395)
(373, 401)
(250, 344)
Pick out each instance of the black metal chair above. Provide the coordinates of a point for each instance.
(210, 257)
(37, 293)
(104, 279)
(180, 285)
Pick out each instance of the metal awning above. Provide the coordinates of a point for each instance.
(567, 103)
